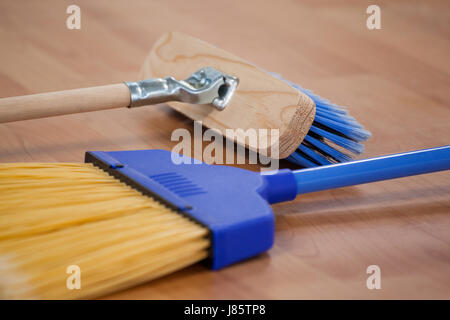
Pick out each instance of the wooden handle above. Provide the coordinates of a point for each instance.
(64, 102)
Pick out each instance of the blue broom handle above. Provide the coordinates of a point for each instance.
(370, 170)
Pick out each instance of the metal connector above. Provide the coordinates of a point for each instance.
(206, 86)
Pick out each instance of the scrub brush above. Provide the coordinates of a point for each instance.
(233, 94)
(126, 217)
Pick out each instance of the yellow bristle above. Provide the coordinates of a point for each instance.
(53, 216)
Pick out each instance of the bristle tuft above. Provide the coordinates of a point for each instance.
(56, 215)
(334, 135)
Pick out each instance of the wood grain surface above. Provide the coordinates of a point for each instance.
(396, 81)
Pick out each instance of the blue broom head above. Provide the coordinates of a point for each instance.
(334, 136)
(232, 203)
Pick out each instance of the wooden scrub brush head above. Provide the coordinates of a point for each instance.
(233, 94)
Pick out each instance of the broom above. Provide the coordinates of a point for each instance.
(301, 126)
(127, 217)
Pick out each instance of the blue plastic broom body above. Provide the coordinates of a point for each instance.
(234, 204)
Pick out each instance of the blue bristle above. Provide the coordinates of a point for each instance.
(316, 157)
(348, 130)
(332, 124)
(343, 142)
(337, 117)
(301, 160)
(327, 150)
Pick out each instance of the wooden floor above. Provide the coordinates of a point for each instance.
(396, 81)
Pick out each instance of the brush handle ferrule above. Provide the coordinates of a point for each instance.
(152, 91)
(206, 86)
